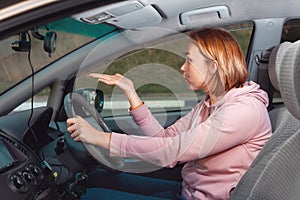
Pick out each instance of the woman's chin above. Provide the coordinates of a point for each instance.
(193, 88)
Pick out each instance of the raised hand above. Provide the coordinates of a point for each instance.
(119, 80)
(123, 83)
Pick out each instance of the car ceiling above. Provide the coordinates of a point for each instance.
(200, 12)
(169, 12)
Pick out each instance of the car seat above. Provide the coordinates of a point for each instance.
(275, 174)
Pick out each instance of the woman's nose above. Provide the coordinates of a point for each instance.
(182, 68)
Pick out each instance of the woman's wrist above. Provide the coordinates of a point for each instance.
(104, 140)
(130, 93)
(134, 100)
(137, 106)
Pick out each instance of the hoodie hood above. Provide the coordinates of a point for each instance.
(250, 88)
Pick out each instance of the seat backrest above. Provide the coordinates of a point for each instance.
(284, 124)
(276, 166)
(280, 178)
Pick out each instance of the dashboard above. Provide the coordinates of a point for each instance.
(22, 176)
(38, 161)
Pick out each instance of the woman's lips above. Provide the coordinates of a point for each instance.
(186, 78)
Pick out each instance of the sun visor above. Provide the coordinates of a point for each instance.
(126, 15)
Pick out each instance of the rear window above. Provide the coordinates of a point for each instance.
(291, 31)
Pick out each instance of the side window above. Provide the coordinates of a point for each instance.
(39, 100)
(157, 77)
(155, 71)
(242, 33)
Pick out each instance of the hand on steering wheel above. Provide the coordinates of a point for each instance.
(74, 102)
(82, 131)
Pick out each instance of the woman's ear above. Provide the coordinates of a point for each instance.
(214, 67)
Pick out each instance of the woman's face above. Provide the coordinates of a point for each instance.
(195, 68)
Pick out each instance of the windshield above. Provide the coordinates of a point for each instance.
(70, 34)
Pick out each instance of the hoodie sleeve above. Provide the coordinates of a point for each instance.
(151, 127)
(230, 125)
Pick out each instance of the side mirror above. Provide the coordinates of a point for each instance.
(93, 96)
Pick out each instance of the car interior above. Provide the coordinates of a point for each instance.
(46, 54)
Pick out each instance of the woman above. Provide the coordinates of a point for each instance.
(217, 140)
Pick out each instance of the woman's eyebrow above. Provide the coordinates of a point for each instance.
(187, 53)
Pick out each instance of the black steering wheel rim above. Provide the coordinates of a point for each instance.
(75, 100)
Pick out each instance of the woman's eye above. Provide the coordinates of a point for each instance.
(188, 60)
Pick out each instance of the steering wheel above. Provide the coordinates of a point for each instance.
(76, 104)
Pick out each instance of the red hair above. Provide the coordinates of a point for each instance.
(221, 47)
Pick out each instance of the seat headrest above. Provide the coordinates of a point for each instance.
(275, 61)
(289, 79)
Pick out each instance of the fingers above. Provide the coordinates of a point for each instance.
(119, 75)
(73, 129)
(102, 77)
(70, 121)
(94, 75)
(107, 79)
(119, 80)
(75, 134)
(71, 124)
(81, 131)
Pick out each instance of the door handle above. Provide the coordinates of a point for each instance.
(223, 12)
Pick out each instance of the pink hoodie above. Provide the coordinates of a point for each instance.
(218, 142)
